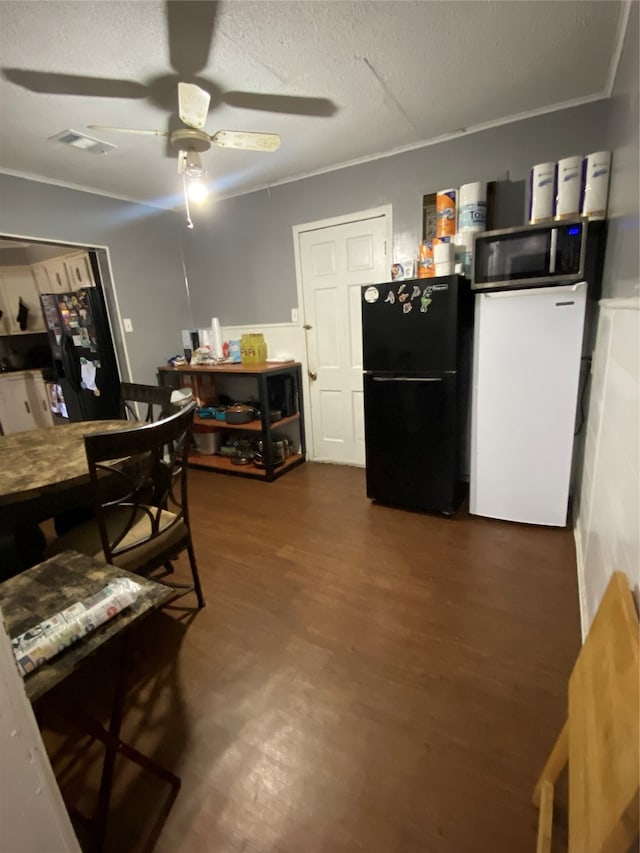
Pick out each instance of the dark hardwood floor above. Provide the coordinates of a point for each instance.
(361, 679)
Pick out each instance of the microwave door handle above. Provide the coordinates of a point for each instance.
(553, 249)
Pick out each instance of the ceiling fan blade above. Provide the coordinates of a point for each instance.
(193, 103)
(291, 104)
(73, 84)
(248, 141)
(127, 130)
(190, 24)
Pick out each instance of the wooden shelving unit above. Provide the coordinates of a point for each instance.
(224, 465)
(262, 373)
(206, 424)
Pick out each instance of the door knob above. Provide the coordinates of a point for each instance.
(313, 375)
(306, 327)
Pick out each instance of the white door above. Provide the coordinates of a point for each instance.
(335, 261)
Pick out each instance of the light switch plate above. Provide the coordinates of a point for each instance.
(127, 325)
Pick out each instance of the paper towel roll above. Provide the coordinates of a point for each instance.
(595, 184)
(443, 253)
(446, 212)
(465, 239)
(216, 337)
(568, 188)
(541, 192)
(472, 207)
(445, 269)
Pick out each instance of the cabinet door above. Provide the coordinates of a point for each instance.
(16, 413)
(38, 402)
(5, 329)
(42, 278)
(52, 276)
(19, 285)
(58, 275)
(79, 270)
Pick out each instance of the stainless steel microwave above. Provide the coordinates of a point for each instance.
(531, 256)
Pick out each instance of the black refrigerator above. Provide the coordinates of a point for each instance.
(417, 345)
(84, 362)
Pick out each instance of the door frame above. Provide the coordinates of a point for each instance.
(386, 211)
(109, 291)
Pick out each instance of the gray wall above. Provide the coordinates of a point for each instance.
(240, 261)
(144, 248)
(621, 272)
(608, 504)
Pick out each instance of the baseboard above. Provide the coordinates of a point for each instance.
(582, 603)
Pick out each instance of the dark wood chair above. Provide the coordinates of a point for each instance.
(157, 400)
(157, 396)
(139, 488)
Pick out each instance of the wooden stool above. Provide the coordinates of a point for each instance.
(600, 738)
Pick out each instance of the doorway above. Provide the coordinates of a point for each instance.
(334, 258)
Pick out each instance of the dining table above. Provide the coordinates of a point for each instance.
(43, 472)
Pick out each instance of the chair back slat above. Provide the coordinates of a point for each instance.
(138, 477)
(158, 396)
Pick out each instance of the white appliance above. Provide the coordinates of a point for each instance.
(527, 350)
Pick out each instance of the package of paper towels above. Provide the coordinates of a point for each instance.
(595, 184)
(216, 337)
(446, 212)
(541, 192)
(472, 207)
(568, 188)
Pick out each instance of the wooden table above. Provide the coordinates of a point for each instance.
(52, 586)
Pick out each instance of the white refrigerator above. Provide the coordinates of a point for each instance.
(526, 371)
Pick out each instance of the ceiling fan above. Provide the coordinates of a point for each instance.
(190, 29)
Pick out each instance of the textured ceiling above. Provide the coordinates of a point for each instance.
(400, 73)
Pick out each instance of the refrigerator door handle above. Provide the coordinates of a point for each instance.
(535, 291)
(407, 378)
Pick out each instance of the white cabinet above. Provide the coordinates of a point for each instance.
(79, 271)
(24, 403)
(19, 295)
(57, 275)
(52, 276)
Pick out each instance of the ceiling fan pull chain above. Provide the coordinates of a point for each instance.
(186, 200)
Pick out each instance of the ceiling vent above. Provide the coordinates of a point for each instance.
(84, 142)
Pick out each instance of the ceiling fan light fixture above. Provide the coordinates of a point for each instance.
(190, 164)
(197, 190)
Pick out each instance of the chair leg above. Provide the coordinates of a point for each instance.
(543, 792)
(196, 576)
(169, 567)
(556, 763)
(545, 818)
